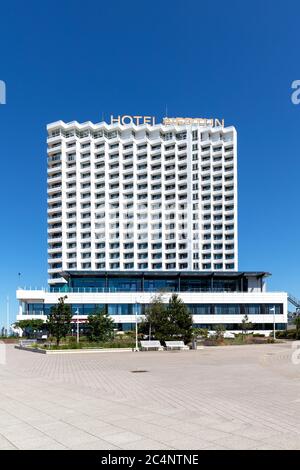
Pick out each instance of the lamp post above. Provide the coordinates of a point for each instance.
(273, 310)
(136, 326)
(7, 316)
(77, 314)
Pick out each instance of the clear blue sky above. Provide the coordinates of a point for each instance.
(75, 60)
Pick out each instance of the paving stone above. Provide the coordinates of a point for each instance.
(232, 398)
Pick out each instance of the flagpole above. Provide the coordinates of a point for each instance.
(7, 315)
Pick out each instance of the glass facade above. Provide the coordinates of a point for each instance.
(167, 285)
(237, 326)
(149, 282)
(209, 326)
(227, 309)
(200, 309)
(90, 282)
(123, 309)
(132, 309)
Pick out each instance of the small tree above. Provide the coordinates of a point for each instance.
(100, 326)
(156, 319)
(219, 332)
(59, 322)
(181, 320)
(296, 322)
(246, 325)
(200, 333)
(30, 327)
(169, 321)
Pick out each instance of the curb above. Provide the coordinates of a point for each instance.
(73, 351)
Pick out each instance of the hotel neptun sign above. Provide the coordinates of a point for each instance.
(137, 120)
(177, 121)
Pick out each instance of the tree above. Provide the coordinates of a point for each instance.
(155, 322)
(59, 322)
(296, 322)
(246, 325)
(200, 333)
(30, 327)
(169, 321)
(219, 332)
(180, 318)
(100, 326)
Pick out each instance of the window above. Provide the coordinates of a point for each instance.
(227, 309)
(229, 266)
(252, 309)
(218, 266)
(194, 135)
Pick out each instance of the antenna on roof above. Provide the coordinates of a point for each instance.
(166, 110)
(102, 116)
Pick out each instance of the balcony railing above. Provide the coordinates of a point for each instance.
(100, 290)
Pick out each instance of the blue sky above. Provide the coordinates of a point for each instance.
(74, 61)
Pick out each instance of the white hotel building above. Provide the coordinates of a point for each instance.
(135, 208)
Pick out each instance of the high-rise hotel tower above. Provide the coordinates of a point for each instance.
(136, 209)
(135, 196)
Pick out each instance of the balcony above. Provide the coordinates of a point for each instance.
(54, 270)
(53, 150)
(54, 198)
(54, 239)
(54, 189)
(52, 230)
(54, 260)
(54, 169)
(55, 177)
(54, 250)
(53, 220)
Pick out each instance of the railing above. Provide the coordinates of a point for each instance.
(162, 290)
(294, 301)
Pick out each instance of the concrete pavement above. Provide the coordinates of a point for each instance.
(237, 397)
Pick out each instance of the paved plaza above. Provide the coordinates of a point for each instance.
(237, 397)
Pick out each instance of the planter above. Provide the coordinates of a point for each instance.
(211, 342)
(73, 351)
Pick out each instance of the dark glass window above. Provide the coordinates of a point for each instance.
(169, 285)
(122, 309)
(227, 309)
(252, 309)
(124, 285)
(200, 309)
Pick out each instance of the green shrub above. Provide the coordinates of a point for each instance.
(72, 340)
(281, 334)
(291, 334)
(201, 333)
(286, 334)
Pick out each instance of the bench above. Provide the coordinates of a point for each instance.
(145, 345)
(26, 342)
(176, 345)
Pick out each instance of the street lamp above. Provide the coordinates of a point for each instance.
(273, 310)
(77, 313)
(136, 326)
(7, 317)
